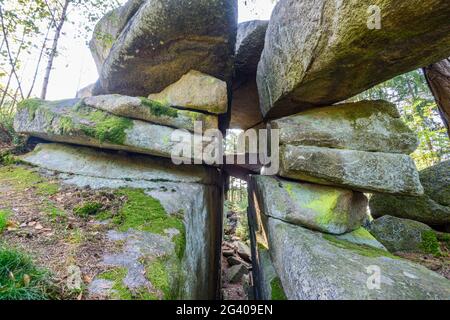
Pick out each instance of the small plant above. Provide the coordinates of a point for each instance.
(88, 209)
(3, 219)
(20, 279)
(430, 243)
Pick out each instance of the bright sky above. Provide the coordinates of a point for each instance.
(75, 68)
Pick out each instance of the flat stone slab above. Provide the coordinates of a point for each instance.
(321, 52)
(365, 126)
(356, 170)
(72, 121)
(115, 166)
(322, 208)
(162, 41)
(151, 111)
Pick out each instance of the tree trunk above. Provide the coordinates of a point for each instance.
(438, 78)
(52, 55)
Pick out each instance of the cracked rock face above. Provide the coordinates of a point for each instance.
(161, 41)
(322, 52)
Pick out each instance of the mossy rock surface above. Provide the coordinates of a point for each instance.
(72, 121)
(141, 108)
(315, 266)
(404, 235)
(322, 208)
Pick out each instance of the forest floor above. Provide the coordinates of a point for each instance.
(43, 222)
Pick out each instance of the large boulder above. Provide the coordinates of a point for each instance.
(249, 45)
(195, 90)
(356, 170)
(322, 208)
(74, 122)
(175, 244)
(245, 111)
(151, 111)
(365, 126)
(398, 234)
(321, 52)
(433, 208)
(109, 28)
(316, 266)
(165, 39)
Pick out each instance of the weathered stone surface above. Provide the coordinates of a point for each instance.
(357, 170)
(152, 111)
(244, 251)
(235, 273)
(195, 90)
(433, 208)
(245, 111)
(361, 237)
(73, 122)
(322, 52)
(400, 234)
(164, 40)
(249, 45)
(86, 91)
(115, 166)
(195, 200)
(315, 266)
(268, 284)
(108, 30)
(366, 126)
(321, 208)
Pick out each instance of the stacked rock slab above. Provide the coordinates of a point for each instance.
(309, 240)
(322, 52)
(155, 42)
(193, 273)
(181, 54)
(340, 151)
(147, 127)
(362, 146)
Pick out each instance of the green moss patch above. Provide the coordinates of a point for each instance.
(277, 290)
(145, 213)
(4, 215)
(430, 243)
(360, 249)
(22, 179)
(106, 127)
(88, 209)
(158, 109)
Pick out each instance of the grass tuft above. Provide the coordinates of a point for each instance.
(20, 279)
